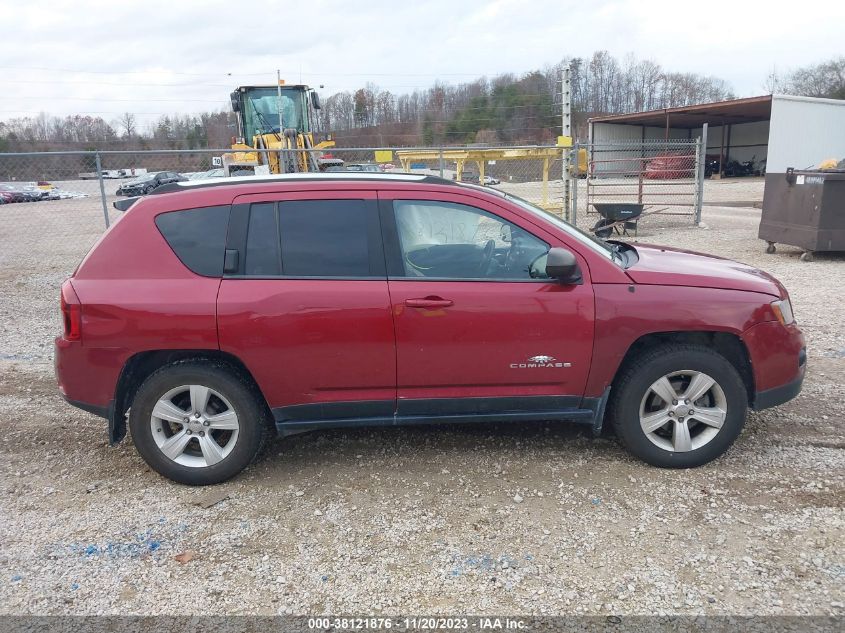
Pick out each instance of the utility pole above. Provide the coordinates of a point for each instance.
(279, 92)
(566, 131)
(283, 162)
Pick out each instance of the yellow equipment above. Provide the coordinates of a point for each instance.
(277, 118)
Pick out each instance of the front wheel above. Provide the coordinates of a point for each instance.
(197, 423)
(679, 406)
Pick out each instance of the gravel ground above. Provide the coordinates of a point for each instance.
(528, 519)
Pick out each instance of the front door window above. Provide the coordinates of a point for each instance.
(445, 240)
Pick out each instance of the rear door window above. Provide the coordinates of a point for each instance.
(324, 238)
(198, 237)
(333, 238)
(262, 253)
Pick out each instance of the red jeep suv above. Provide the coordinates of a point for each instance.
(214, 311)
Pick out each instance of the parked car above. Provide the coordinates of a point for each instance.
(146, 183)
(5, 197)
(303, 302)
(217, 172)
(489, 180)
(670, 166)
(16, 193)
(468, 177)
(363, 167)
(34, 193)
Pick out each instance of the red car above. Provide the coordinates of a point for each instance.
(670, 166)
(218, 313)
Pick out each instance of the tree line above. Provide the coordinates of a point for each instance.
(503, 109)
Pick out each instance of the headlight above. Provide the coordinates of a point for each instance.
(783, 311)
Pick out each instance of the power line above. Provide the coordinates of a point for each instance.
(221, 100)
(129, 72)
(269, 73)
(89, 82)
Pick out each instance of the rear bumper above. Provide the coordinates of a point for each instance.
(87, 379)
(98, 410)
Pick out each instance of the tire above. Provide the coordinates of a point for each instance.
(717, 418)
(600, 230)
(225, 438)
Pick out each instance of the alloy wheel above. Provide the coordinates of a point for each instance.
(682, 411)
(194, 426)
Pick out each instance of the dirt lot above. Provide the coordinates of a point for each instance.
(534, 519)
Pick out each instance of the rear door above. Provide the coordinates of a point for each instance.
(479, 328)
(304, 303)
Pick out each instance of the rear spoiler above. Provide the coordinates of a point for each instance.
(123, 205)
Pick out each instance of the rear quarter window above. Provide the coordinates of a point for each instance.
(197, 237)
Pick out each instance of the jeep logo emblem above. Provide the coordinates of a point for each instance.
(540, 361)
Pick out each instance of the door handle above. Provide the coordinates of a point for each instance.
(429, 302)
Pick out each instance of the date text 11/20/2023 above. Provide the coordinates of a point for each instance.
(421, 623)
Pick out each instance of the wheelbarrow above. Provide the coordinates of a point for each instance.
(615, 215)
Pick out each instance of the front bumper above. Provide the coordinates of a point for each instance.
(778, 356)
(778, 395)
(774, 396)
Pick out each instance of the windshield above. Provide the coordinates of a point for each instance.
(596, 244)
(261, 111)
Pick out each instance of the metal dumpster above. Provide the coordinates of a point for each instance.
(805, 208)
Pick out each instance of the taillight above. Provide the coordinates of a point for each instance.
(71, 313)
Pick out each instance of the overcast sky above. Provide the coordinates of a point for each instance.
(153, 57)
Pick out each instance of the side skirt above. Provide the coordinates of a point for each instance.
(303, 418)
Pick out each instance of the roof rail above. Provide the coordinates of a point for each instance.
(299, 177)
(175, 187)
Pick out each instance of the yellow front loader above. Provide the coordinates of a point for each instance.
(279, 119)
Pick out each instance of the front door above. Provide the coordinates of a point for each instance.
(479, 327)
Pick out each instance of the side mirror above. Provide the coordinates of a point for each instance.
(562, 265)
(235, 98)
(315, 100)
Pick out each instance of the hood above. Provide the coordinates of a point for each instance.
(664, 266)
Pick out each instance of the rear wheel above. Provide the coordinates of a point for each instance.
(197, 423)
(679, 406)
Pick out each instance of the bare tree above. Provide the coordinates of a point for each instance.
(505, 108)
(826, 79)
(128, 123)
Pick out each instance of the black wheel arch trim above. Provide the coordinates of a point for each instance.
(142, 364)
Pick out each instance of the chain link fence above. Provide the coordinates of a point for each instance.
(659, 182)
(55, 205)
